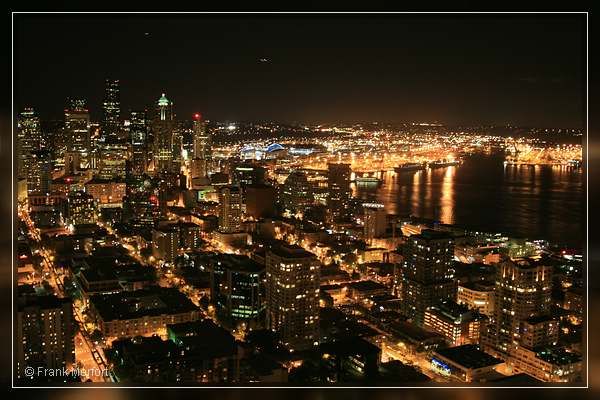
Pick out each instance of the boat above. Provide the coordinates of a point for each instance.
(443, 163)
(367, 179)
(410, 167)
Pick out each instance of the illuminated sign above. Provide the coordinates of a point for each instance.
(440, 367)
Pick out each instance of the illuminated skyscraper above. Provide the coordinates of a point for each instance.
(45, 334)
(39, 173)
(139, 135)
(293, 296)
(162, 127)
(77, 128)
(523, 289)
(296, 193)
(81, 209)
(237, 287)
(375, 221)
(230, 209)
(112, 162)
(338, 178)
(111, 107)
(427, 273)
(29, 136)
(202, 157)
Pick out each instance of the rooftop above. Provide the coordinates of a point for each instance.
(468, 356)
(238, 263)
(538, 319)
(413, 332)
(430, 234)
(291, 251)
(153, 301)
(558, 356)
(203, 336)
(367, 285)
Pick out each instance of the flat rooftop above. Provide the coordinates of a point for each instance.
(239, 263)
(558, 356)
(538, 319)
(291, 251)
(468, 356)
(413, 332)
(367, 285)
(430, 234)
(153, 301)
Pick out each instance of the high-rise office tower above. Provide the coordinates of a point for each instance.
(39, 174)
(249, 174)
(113, 160)
(375, 221)
(163, 127)
(77, 128)
(338, 178)
(523, 289)
(111, 107)
(138, 133)
(29, 137)
(45, 334)
(165, 243)
(427, 273)
(237, 287)
(202, 157)
(293, 296)
(230, 209)
(296, 193)
(141, 209)
(81, 209)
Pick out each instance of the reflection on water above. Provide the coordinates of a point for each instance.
(537, 202)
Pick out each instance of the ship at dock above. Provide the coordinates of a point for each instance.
(410, 167)
(443, 163)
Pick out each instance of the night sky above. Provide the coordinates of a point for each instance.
(469, 69)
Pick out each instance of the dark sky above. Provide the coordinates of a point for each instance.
(455, 69)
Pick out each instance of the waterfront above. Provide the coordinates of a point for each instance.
(535, 202)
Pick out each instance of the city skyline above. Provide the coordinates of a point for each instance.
(161, 241)
(317, 68)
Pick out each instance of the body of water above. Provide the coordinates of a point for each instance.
(535, 202)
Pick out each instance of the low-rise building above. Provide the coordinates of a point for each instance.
(477, 296)
(141, 312)
(465, 363)
(548, 364)
(455, 322)
(106, 192)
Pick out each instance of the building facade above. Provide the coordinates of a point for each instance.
(293, 296)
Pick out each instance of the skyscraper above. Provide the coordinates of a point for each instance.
(163, 127)
(39, 173)
(230, 209)
(202, 157)
(113, 160)
(375, 221)
(29, 136)
(293, 296)
(523, 289)
(81, 208)
(338, 178)
(77, 128)
(427, 273)
(111, 107)
(238, 290)
(296, 193)
(45, 334)
(138, 135)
